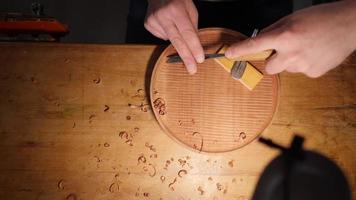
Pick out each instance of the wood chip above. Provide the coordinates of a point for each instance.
(91, 117)
(112, 187)
(172, 183)
(153, 172)
(60, 184)
(182, 173)
(141, 159)
(182, 162)
(97, 80)
(200, 190)
(242, 135)
(71, 196)
(128, 117)
(124, 134)
(231, 163)
(163, 178)
(219, 186)
(106, 144)
(106, 108)
(150, 146)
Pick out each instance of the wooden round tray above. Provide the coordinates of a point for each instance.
(210, 111)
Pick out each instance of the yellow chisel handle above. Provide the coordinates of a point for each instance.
(263, 55)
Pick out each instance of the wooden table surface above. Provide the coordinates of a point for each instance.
(67, 131)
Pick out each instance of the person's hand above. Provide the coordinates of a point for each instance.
(311, 41)
(177, 21)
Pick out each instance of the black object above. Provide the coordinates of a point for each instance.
(297, 174)
(242, 15)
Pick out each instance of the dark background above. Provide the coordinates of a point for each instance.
(89, 21)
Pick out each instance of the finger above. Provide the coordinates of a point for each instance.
(275, 64)
(190, 36)
(251, 45)
(154, 31)
(154, 24)
(193, 14)
(296, 69)
(179, 44)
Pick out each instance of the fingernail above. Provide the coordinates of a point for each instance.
(228, 54)
(192, 69)
(200, 58)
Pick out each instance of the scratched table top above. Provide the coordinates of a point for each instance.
(75, 123)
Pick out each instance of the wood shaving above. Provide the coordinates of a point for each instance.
(140, 93)
(132, 106)
(180, 123)
(71, 196)
(160, 105)
(141, 159)
(112, 188)
(60, 184)
(219, 186)
(200, 190)
(231, 163)
(163, 178)
(242, 135)
(124, 134)
(106, 108)
(201, 143)
(153, 155)
(182, 162)
(144, 107)
(153, 173)
(91, 117)
(97, 159)
(172, 183)
(195, 133)
(168, 162)
(182, 173)
(150, 146)
(97, 80)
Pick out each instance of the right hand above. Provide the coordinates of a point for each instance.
(177, 21)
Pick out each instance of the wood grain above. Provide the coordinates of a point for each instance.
(210, 111)
(51, 147)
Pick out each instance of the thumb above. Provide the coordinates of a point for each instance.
(257, 44)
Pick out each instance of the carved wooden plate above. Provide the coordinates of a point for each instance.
(210, 111)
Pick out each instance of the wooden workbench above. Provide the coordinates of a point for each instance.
(67, 131)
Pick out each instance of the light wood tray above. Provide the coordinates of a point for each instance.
(209, 111)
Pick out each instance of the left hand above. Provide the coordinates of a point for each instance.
(311, 41)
